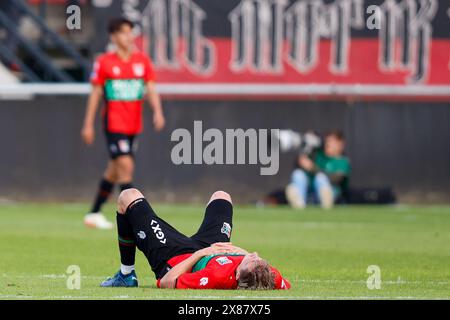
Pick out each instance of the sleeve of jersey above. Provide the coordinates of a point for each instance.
(196, 280)
(280, 282)
(149, 72)
(97, 75)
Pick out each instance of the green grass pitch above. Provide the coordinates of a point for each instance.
(325, 255)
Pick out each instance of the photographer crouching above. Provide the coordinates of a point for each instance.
(322, 172)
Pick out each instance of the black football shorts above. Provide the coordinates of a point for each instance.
(120, 144)
(160, 242)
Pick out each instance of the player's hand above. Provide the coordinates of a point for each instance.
(238, 250)
(223, 245)
(88, 134)
(159, 121)
(216, 248)
(228, 247)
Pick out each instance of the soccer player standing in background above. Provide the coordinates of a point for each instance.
(121, 77)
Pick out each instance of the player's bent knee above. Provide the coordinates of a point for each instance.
(126, 197)
(220, 195)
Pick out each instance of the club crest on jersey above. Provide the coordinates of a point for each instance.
(116, 70)
(138, 69)
(204, 281)
(142, 235)
(226, 229)
(223, 260)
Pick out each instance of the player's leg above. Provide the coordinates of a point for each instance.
(297, 190)
(106, 186)
(125, 170)
(126, 276)
(157, 239)
(218, 220)
(118, 171)
(96, 219)
(127, 146)
(324, 190)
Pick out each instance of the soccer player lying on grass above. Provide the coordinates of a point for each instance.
(207, 260)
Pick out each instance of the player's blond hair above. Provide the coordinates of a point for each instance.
(260, 277)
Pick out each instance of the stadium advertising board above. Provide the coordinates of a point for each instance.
(292, 41)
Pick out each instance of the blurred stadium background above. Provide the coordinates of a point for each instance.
(289, 64)
(232, 64)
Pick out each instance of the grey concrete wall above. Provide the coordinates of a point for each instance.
(404, 145)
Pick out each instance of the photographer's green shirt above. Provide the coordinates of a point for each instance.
(333, 165)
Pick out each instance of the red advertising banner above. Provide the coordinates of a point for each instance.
(390, 43)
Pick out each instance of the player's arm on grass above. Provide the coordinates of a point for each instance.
(170, 279)
(206, 278)
(88, 131)
(280, 282)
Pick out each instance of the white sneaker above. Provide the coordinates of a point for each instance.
(98, 221)
(326, 198)
(294, 198)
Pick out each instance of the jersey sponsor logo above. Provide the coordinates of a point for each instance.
(226, 229)
(138, 69)
(204, 281)
(142, 235)
(124, 89)
(124, 146)
(158, 232)
(223, 260)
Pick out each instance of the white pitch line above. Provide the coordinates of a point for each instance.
(12, 296)
(49, 276)
(389, 282)
(374, 298)
(399, 282)
(65, 297)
